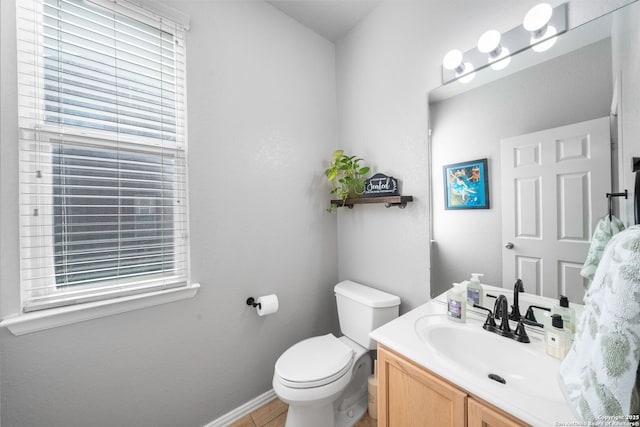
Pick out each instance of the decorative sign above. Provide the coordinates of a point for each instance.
(381, 185)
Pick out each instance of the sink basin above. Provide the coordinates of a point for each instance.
(476, 352)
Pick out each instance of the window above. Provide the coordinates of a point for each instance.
(103, 210)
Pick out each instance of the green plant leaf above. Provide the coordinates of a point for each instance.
(345, 176)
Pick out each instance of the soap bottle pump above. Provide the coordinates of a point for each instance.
(457, 303)
(568, 313)
(557, 339)
(474, 290)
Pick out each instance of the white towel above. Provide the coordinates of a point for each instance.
(605, 230)
(598, 376)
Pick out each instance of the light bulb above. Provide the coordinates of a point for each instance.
(537, 17)
(452, 60)
(489, 41)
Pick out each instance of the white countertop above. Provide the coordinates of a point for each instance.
(543, 406)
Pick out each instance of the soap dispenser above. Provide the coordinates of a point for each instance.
(568, 313)
(457, 304)
(475, 292)
(557, 339)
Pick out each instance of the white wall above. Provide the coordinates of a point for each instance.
(262, 120)
(386, 67)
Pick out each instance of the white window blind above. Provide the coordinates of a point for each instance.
(103, 209)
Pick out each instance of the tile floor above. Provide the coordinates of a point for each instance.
(274, 414)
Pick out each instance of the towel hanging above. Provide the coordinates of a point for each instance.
(598, 375)
(606, 228)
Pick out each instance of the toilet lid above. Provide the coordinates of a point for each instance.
(314, 362)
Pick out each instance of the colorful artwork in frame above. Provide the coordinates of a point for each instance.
(466, 185)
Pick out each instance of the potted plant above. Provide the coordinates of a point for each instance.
(346, 177)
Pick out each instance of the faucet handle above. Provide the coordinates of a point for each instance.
(490, 323)
(530, 316)
(521, 333)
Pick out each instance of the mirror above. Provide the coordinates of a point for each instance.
(571, 83)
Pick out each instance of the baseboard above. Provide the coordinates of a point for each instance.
(241, 411)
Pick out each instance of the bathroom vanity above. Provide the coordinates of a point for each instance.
(432, 371)
(409, 394)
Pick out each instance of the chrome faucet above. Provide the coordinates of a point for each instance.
(515, 308)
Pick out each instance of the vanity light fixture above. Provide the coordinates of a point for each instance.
(539, 31)
(498, 56)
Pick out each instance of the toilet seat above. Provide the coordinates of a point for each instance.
(314, 362)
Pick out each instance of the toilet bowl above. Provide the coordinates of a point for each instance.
(324, 378)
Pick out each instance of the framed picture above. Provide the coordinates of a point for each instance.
(466, 185)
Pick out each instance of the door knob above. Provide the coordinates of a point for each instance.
(509, 245)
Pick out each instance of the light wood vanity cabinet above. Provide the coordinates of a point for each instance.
(484, 415)
(411, 396)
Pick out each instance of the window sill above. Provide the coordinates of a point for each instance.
(52, 318)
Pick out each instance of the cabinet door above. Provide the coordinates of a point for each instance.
(410, 396)
(481, 415)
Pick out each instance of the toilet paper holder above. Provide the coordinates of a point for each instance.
(252, 302)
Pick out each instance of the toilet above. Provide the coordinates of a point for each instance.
(324, 378)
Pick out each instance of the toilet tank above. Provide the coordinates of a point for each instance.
(362, 309)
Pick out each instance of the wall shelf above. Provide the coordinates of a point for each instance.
(399, 201)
